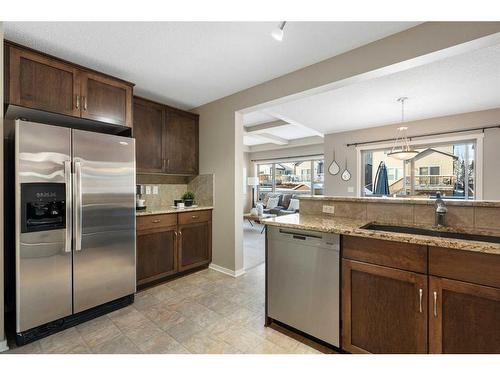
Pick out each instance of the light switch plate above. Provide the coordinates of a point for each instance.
(350, 189)
(328, 209)
(155, 189)
(148, 189)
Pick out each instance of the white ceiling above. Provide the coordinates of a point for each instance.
(191, 63)
(465, 83)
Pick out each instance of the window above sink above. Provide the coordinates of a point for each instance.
(451, 166)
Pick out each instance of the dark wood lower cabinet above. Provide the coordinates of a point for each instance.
(168, 244)
(195, 245)
(452, 305)
(384, 310)
(463, 317)
(156, 254)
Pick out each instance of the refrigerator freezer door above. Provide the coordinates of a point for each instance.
(104, 215)
(43, 258)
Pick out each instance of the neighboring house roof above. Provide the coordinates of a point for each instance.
(430, 151)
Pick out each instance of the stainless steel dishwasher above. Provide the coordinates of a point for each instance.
(303, 281)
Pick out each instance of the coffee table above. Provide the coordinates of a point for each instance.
(257, 219)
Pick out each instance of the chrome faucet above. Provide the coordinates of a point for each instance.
(441, 211)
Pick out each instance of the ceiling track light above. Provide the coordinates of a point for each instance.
(278, 32)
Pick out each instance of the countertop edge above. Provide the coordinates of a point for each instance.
(172, 211)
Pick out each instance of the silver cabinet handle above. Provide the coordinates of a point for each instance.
(77, 220)
(155, 221)
(84, 103)
(420, 295)
(69, 202)
(78, 102)
(194, 217)
(435, 304)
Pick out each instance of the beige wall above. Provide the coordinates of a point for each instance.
(221, 146)
(334, 185)
(2, 331)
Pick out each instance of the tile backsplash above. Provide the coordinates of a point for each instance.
(201, 186)
(478, 215)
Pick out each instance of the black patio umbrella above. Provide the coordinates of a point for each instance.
(381, 180)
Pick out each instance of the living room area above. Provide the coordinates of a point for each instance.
(282, 161)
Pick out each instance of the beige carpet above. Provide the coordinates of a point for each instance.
(253, 245)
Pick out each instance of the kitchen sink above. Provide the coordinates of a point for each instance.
(431, 232)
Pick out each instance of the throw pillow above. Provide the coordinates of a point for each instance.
(294, 205)
(272, 202)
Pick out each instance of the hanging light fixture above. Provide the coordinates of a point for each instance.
(278, 32)
(401, 149)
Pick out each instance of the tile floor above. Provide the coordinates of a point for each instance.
(205, 312)
(254, 243)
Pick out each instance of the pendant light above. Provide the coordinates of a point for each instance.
(401, 149)
(278, 32)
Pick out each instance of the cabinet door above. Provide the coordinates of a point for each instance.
(156, 254)
(195, 245)
(384, 310)
(105, 99)
(463, 317)
(37, 81)
(181, 142)
(149, 136)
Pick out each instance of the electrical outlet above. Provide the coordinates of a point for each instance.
(148, 189)
(350, 189)
(155, 189)
(328, 209)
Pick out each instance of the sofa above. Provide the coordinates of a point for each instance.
(285, 205)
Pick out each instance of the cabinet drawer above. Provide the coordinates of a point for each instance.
(195, 217)
(405, 256)
(470, 266)
(156, 221)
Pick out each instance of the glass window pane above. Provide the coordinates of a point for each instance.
(445, 168)
(319, 177)
(265, 173)
(293, 177)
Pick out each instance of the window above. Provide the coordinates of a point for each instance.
(293, 177)
(448, 168)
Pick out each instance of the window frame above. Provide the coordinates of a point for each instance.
(428, 141)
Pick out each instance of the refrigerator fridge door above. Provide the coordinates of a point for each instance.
(104, 218)
(43, 224)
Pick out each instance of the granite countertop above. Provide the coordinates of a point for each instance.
(171, 210)
(352, 227)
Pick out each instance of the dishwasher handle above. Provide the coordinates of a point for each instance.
(300, 236)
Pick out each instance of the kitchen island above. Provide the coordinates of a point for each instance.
(405, 293)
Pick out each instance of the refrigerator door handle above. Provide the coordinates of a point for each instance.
(78, 206)
(69, 204)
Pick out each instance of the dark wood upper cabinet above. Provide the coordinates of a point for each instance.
(149, 133)
(384, 310)
(181, 142)
(40, 82)
(105, 99)
(464, 318)
(167, 139)
(37, 80)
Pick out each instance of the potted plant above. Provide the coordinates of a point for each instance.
(188, 198)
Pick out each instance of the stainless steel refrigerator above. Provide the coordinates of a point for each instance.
(75, 224)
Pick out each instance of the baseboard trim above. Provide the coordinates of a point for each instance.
(3, 346)
(227, 271)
